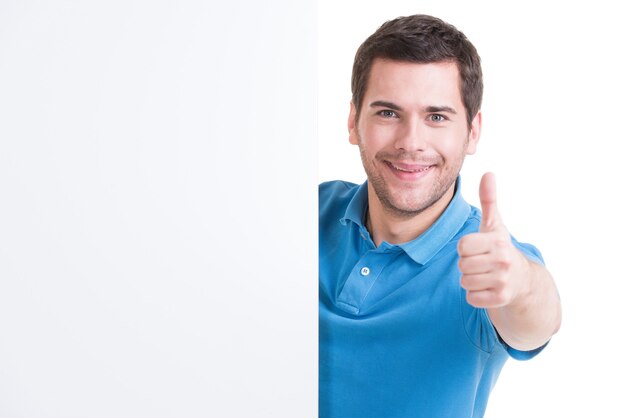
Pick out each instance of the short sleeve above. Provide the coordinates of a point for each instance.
(530, 251)
(479, 327)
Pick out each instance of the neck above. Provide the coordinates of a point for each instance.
(385, 225)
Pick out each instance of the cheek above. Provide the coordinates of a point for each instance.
(451, 143)
(378, 136)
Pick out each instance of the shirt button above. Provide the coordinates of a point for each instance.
(365, 271)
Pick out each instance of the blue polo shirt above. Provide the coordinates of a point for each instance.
(396, 335)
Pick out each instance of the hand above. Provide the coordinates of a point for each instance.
(494, 272)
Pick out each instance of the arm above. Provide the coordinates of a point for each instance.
(529, 320)
(520, 295)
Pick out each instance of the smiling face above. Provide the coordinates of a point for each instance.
(413, 135)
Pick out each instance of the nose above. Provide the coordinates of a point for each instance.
(411, 136)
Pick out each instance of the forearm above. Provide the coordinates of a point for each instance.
(531, 319)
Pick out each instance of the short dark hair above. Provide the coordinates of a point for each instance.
(420, 39)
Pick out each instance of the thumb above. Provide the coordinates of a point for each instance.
(491, 217)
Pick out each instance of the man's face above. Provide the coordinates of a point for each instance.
(412, 133)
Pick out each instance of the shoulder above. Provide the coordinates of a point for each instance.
(334, 198)
(335, 193)
(470, 224)
(336, 189)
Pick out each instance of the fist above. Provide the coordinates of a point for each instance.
(493, 271)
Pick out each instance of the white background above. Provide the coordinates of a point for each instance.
(553, 117)
(158, 240)
(142, 152)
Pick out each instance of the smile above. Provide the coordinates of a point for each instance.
(409, 168)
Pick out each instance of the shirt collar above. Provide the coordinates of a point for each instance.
(357, 208)
(431, 241)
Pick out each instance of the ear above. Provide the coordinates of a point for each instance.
(474, 133)
(352, 128)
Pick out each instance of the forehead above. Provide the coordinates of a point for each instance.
(407, 83)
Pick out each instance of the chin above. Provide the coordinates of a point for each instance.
(410, 203)
(404, 208)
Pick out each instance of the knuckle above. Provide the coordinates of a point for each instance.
(501, 241)
(505, 298)
(463, 281)
(462, 246)
(500, 282)
(499, 300)
(471, 298)
(502, 297)
(503, 264)
(504, 260)
(466, 281)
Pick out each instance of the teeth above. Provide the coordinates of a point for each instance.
(410, 171)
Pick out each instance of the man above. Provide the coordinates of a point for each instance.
(421, 300)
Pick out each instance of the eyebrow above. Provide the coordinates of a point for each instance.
(382, 103)
(429, 109)
(440, 109)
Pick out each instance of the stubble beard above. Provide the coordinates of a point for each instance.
(393, 204)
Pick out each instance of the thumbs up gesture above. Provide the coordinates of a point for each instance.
(494, 272)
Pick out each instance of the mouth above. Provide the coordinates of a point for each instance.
(408, 168)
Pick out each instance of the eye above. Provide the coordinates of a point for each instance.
(388, 113)
(437, 118)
